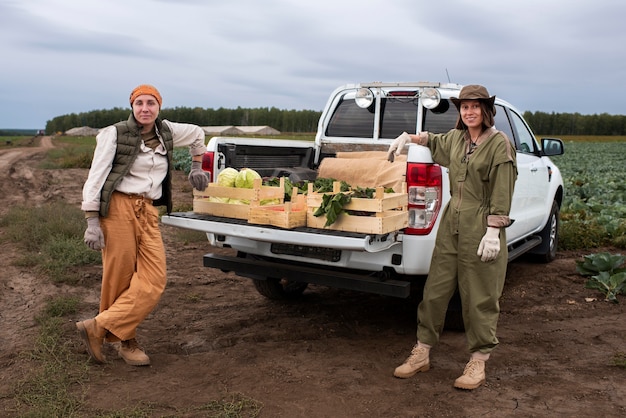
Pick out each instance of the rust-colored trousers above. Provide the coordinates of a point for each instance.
(133, 265)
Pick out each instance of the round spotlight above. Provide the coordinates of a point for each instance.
(430, 98)
(364, 98)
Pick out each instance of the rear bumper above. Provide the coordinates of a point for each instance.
(262, 269)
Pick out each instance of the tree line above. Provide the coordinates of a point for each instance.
(282, 120)
(576, 124)
(542, 123)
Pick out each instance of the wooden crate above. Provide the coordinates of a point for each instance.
(387, 212)
(205, 201)
(287, 215)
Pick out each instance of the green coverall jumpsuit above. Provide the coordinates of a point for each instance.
(481, 186)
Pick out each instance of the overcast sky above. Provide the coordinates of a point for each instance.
(68, 56)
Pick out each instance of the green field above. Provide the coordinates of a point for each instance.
(593, 213)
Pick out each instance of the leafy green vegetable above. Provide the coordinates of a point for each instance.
(325, 185)
(594, 263)
(364, 192)
(275, 182)
(332, 206)
(607, 274)
(607, 284)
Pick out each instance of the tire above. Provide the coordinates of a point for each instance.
(279, 289)
(546, 251)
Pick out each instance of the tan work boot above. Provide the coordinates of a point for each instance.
(93, 336)
(418, 361)
(473, 375)
(132, 354)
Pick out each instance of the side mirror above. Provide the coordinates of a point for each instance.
(551, 146)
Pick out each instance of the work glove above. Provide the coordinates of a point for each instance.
(94, 238)
(397, 145)
(489, 246)
(197, 178)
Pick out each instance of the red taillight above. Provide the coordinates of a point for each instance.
(424, 185)
(207, 163)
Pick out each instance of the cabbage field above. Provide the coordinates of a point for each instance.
(593, 213)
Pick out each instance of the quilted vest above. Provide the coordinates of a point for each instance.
(128, 146)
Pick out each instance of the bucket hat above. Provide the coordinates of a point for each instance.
(474, 92)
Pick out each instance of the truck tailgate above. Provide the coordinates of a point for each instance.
(302, 235)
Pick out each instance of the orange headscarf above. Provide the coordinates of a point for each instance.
(145, 89)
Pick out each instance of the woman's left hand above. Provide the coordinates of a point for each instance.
(489, 246)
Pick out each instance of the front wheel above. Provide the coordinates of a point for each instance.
(546, 251)
(279, 289)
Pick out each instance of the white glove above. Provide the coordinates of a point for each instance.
(398, 145)
(489, 246)
(94, 238)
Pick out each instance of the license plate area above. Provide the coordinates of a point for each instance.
(319, 253)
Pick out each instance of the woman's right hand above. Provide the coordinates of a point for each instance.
(397, 145)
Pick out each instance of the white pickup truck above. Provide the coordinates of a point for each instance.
(367, 117)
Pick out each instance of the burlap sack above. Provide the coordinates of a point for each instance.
(365, 169)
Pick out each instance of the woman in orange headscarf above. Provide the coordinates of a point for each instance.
(130, 175)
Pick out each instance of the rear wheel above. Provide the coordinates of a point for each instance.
(279, 289)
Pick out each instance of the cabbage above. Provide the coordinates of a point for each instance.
(216, 199)
(269, 202)
(245, 178)
(227, 177)
(238, 201)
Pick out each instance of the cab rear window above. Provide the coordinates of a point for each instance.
(397, 115)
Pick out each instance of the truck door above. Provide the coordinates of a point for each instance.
(532, 186)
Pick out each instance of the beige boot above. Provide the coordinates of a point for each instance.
(473, 375)
(93, 336)
(418, 361)
(132, 354)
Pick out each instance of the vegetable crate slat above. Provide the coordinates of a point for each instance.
(385, 213)
(214, 199)
(287, 215)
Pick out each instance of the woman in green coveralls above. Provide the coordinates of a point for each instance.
(470, 249)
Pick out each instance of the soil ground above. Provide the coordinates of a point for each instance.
(330, 354)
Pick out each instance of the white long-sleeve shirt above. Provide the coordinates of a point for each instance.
(147, 172)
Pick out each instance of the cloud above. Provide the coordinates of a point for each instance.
(64, 56)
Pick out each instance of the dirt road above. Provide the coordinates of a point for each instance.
(330, 354)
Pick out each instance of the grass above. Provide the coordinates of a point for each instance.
(49, 389)
(50, 237)
(619, 360)
(71, 152)
(7, 142)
